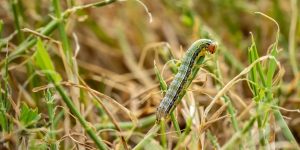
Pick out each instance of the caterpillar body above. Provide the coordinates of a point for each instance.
(183, 78)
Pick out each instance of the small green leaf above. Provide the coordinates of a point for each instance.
(28, 116)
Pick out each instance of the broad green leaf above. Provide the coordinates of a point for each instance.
(44, 61)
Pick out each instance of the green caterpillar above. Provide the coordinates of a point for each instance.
(183, 78)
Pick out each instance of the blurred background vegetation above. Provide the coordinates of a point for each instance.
(103, 53)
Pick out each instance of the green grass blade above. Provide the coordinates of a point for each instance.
(62, 32)
(15, 4)
(284, 127)
(44, 62)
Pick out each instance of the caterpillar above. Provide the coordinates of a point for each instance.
(183, 78)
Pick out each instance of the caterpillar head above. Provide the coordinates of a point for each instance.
(212, 47)
(206, 45)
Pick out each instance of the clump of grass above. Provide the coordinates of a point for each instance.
(79, 75)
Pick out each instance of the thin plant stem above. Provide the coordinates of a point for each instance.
(15, 4)
(292, 37)
(62, 32)
(163, 133)
(231, 110)
(187, 130)
(142, 123)
(147, 137)
(175, 123)
(89, 130)
(51, 113)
